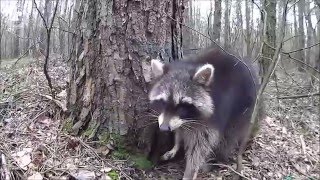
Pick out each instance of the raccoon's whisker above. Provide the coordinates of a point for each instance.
(196, 122)
(152, 115)
(154, 111)
(186, 128)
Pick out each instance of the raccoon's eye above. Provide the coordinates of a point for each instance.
(187, 111)
(158, 105)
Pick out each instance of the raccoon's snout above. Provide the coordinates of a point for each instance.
(167, 123)
(164, 127)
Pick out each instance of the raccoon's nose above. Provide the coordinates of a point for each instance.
(164, 127)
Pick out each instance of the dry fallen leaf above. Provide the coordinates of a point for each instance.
(62, 94)
(35, 176)
(23, 158)
(84, 175)
(106, 169)
(105, 177)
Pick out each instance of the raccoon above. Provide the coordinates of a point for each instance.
(207, 102)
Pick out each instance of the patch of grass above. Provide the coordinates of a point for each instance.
(140, 161)
(113, 174)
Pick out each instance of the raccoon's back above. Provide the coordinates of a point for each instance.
(233, 89)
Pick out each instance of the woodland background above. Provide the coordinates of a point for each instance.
(62, 61)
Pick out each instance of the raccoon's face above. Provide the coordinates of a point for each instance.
(180, 94)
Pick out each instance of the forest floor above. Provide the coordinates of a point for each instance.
(34, 145)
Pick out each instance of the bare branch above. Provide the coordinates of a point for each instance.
(302, 48)
(64, 30)
(26, 52)
(48, 30)
(41, 15)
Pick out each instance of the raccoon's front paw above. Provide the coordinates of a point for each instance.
(168, 155)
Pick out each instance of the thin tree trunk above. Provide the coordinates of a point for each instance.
(301, 6)
(226, 25)
(310, 32)
(248, 28)
(270, 39)
(217, 20)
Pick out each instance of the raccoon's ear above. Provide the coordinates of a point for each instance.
(157, 68)
(204, 74)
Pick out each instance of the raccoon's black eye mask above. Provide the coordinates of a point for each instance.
(183, 110)
(187, 111)
(158, 105)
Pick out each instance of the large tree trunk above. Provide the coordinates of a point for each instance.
(109, 80)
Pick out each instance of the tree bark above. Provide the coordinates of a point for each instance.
(310, 32)
(248, 33)
(301, 43)
(270, 39)
(226, 25)
(18, 29)
(217, 20)
(110, 73)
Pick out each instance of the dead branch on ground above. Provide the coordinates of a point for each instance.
(299, 96)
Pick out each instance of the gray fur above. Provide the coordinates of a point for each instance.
(181, 86)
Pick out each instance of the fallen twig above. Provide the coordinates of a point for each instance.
(303, 144)
(299, 96)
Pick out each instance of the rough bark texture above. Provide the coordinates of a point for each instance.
(117, 39)
(270, 7)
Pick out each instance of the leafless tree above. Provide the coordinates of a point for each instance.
(48, 27)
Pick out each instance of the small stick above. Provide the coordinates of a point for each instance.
(303, 144)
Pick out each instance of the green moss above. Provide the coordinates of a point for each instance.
(140, 161)
(121, 154)
(114, 175)
(88, 131)
(67, 125)
(104, 138)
